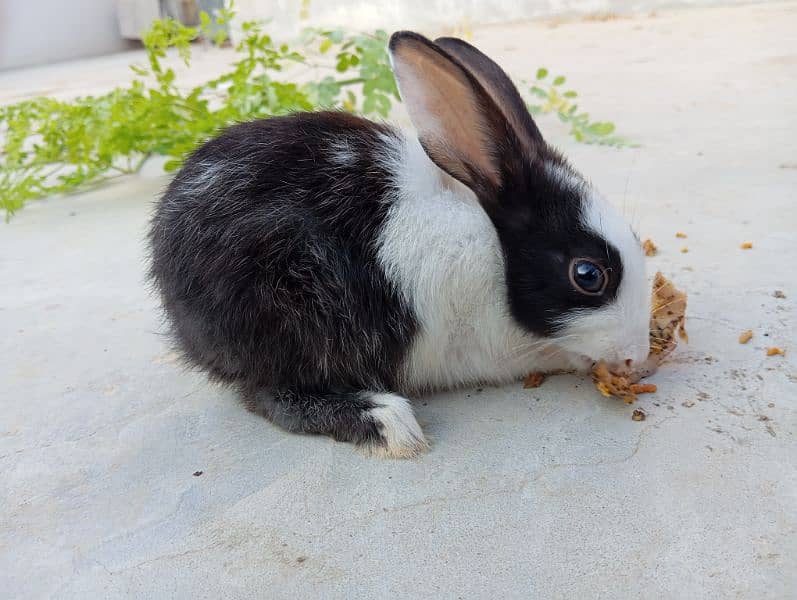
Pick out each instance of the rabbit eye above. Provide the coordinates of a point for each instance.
(588, 277)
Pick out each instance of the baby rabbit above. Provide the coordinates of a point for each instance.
(327, 266)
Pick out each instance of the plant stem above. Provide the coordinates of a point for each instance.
(351, 81)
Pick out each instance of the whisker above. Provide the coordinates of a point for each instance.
(663, 306)
(655, 337)
(658, 289)
(522, 351)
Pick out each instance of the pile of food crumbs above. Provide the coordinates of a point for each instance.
(667, 318)
(620, 386)
(668, 315)
(649, 248)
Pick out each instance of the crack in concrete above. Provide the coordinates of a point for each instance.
(617, 461)
(518, 488)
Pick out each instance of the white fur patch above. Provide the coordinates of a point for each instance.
(566, 177)
(397, 424)
(619, 330)
(223, 176)
(341, 153)
(442, 251)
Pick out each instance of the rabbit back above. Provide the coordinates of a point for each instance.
(264, 253)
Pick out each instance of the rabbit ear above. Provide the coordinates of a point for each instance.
(500, 87)
(459, 125)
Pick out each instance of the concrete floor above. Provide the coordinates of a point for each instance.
(546, 493)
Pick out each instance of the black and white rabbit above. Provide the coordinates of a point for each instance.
(328, 266)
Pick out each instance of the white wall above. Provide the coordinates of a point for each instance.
(44, 31)
(436, 15)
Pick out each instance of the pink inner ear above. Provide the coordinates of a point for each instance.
(446, 109)
(498, 86)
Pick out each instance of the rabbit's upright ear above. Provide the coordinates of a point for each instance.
(459, 124)
(500, 87)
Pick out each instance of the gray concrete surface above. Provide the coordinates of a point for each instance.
(547, 493)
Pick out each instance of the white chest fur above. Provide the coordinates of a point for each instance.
(441, 250)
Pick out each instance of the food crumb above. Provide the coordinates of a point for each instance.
(638, 415)
(649, 247)
(198, 473)
(643, 388)
(746, 245)
(775, 351)
(746, 336)
(688, 404)
(684, 250)
(779, 294)
(533, 380)
(680, 234)
(611, 384)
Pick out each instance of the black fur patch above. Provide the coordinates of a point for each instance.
(263, 250)
(540, 225)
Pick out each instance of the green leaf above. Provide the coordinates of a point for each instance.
(542, 73)
(601, 128)
(539, 92)
(559, 80)
(570, 94)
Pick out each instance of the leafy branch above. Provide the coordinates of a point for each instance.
(552, 99)
(50, 146)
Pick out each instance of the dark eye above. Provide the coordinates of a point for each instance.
(588, 277)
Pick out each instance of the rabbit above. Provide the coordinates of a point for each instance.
(328, 267)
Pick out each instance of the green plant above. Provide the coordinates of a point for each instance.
(52, 146)
(555, 100)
